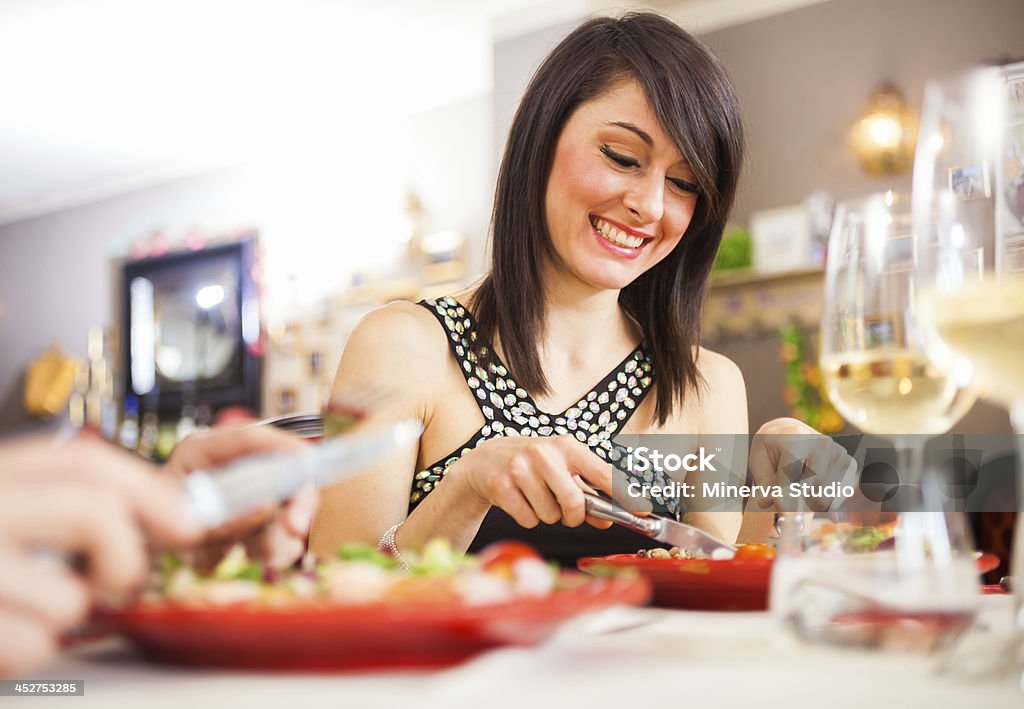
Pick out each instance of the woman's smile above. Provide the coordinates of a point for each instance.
(618, 239)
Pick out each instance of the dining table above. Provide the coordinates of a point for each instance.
(618, 657)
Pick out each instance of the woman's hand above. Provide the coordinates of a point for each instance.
(785, 451)
(535, 480)
(274, 536)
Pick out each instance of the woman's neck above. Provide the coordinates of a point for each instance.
(580, 320)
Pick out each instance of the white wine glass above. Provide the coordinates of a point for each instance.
(919, 588)
(967, 142)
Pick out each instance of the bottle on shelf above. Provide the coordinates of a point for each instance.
(128, 434)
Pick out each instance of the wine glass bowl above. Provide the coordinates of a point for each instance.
(967, 127)
(876, 369)
(899, 580)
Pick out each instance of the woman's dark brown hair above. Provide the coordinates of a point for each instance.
(697, 107)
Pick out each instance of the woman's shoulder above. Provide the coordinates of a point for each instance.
(724, 401)
(400, 330)
(717, 369)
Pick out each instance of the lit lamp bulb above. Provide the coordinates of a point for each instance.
(884, 138)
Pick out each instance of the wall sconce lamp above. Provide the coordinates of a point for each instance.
(884, 138)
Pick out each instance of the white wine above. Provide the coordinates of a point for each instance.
(985, 323)
(894, 392)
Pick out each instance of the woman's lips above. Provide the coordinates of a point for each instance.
(620, 250)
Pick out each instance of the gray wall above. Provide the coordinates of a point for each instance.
(56, 279)
(515, 61)
(804, 78)
(56, 273)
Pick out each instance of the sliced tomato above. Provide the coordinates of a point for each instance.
(754, 551)
(503, 555)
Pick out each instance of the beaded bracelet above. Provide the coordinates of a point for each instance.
(388, 546)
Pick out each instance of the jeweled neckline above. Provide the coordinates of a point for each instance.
(501, 369)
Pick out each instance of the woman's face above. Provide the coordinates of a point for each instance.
(619, 196)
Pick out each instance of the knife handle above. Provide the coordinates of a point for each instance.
(612, 512)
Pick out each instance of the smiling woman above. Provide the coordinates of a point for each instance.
(618, 174)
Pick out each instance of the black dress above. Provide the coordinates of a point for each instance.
(510, 411)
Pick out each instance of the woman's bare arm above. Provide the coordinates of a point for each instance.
(723, 417)
(399, 350)
(531, 478)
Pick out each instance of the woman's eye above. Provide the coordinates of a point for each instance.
(685, 186)
(618, 158)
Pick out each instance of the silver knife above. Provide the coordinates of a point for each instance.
(684, 536)
(261, 481)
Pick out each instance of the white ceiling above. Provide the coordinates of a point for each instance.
(99, 97)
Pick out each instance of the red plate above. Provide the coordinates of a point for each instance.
(315, 637)
(714, 585)
(700, 584)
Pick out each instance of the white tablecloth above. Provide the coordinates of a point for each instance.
(622, 657)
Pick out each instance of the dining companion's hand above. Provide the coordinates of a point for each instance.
(87, 501)
(785, 451)
(535, 479)
(275, 536)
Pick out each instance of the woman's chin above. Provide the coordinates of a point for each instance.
(611, 279)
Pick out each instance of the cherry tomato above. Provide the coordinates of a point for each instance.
(502, 555)
(754, 551)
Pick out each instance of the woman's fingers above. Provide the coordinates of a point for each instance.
(598, 523)
(510, 498)
(585, 463)
(569, 496)
(535, 480)
(537, 474)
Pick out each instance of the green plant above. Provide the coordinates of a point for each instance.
(736, 250)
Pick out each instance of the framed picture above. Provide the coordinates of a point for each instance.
(970, 182)
(883, 331)
(781, 239)
(191, 328)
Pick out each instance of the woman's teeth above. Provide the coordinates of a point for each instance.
(615, 236)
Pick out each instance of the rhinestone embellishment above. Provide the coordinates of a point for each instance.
(509, 410)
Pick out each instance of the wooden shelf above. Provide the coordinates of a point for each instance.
(748, 277)
(747, 304)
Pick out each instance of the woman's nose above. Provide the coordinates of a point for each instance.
(646, 199)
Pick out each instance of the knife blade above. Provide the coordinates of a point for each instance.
(686, 537)
(261, 481)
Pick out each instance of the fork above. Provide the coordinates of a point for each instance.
(343, 411)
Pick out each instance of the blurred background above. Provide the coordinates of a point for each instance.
(198, 200)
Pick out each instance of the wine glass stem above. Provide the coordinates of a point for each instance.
(1017, 564)
(909, 459)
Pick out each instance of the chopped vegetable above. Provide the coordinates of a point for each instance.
(361, 552)
(236, 565)
(360, 575)
(754, 551)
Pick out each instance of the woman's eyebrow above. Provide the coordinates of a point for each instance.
(644, 136)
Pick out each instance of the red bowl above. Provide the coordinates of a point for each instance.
(706, 584)
(698, 584)
(336, 637)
